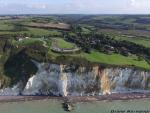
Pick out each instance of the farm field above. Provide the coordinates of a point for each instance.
(138, 40)
(114, 59)
(51, 30)
(61, 43)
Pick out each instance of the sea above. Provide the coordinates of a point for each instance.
(55, 106)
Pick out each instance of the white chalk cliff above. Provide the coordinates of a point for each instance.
(64, 80)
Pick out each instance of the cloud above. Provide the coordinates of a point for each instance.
(89, 6)
(38, 6)
(74, 6)
(139, 6)
(135, 3)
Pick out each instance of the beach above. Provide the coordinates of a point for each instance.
(113, 104)
(76, 99)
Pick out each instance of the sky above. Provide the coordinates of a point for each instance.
(74, 6)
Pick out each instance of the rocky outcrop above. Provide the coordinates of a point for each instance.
(73, 80)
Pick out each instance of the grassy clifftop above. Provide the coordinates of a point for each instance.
(16, 64)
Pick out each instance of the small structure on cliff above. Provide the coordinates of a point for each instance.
(61, 50)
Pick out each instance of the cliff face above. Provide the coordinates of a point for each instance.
(64, 80)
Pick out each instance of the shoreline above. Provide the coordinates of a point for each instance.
(76, 99)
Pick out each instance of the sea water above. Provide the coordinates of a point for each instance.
(53, 106)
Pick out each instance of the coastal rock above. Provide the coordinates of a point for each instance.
(66, 80)
(14, 91)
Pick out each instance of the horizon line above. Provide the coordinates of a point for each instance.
(77, 14)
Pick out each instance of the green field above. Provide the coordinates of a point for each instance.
(11, 27)
(115, 59)
(53, 38)
(26, 42)
(61, 43)
(94, 56)
(138, 40)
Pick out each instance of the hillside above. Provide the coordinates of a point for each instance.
(111, 41)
